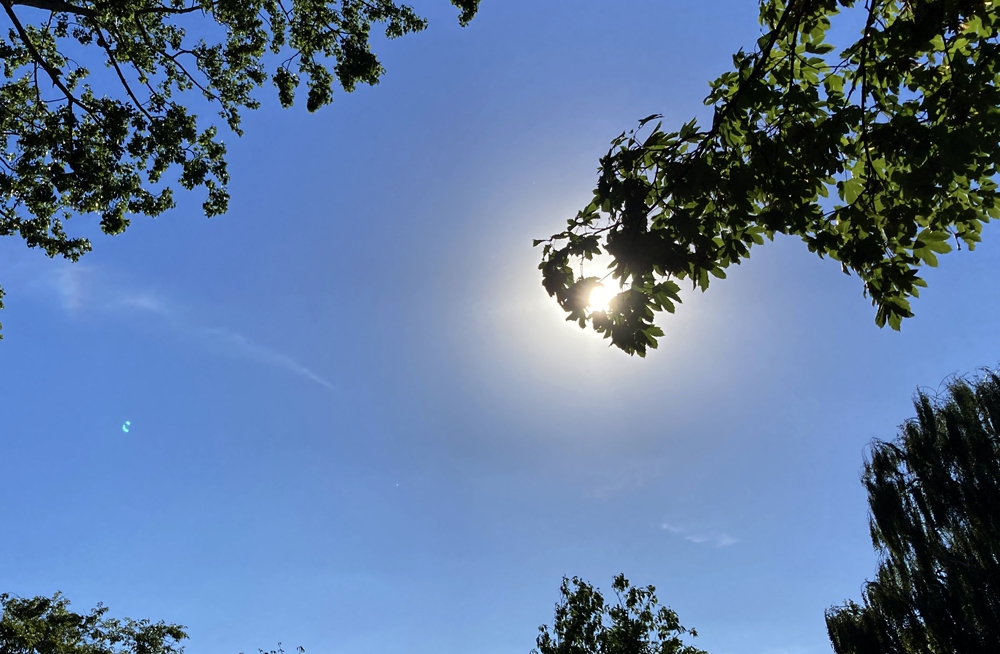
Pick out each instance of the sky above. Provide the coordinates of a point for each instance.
(358, 424)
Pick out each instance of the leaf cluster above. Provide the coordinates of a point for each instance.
(881, 157)
(43, 625)
(933, 493)
(77, 142)
(585, 624)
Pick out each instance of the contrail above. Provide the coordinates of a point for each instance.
(77, 289)
(243, 347)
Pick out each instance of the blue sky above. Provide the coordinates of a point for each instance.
(359, 425)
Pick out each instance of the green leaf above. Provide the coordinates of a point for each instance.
(111, 150)
(851, 189)
(911, 135)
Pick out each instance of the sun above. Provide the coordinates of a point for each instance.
(600, 297)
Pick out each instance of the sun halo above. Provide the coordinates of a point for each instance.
(600, 297)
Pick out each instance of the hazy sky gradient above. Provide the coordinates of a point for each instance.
(359, 425)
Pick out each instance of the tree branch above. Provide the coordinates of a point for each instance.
(61, 6)
(101, 41)
(55, 5)
(37, 56)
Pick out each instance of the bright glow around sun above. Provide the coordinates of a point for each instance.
(600, 297)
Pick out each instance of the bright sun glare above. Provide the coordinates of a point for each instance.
(600, 297)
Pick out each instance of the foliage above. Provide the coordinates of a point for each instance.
(585, 624)
(934, 493)
(43, 625)
(876, 157)
(299, 650)
(78, 143)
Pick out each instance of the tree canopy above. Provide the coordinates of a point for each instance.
(933, 493)
(880, 155)
(46, 625)
(585, 624)
(79, 143)
(43, 625)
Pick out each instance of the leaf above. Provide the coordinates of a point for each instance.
(107, 148)
(819, 48)
(851, 189)
(907, 137)
(643, 121)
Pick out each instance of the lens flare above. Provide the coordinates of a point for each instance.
(126, 426)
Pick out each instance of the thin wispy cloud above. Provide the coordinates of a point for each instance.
(146, 302)
(70, 283)
(716, 539)
(240, 346)
(78, 287)
(632, 477)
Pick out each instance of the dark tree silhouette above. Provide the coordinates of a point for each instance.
(934, 494)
